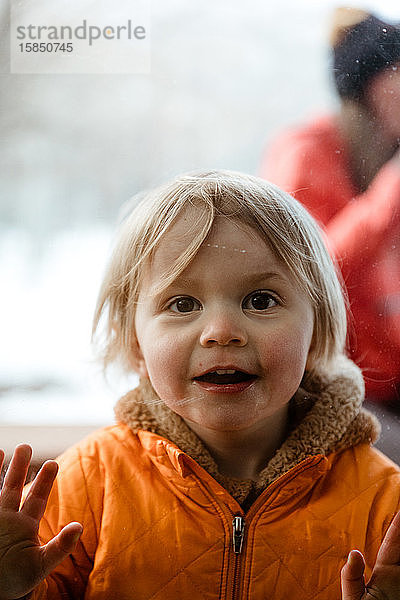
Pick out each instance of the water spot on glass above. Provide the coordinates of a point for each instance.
(384, 29)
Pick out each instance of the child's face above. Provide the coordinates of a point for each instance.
(226, 345)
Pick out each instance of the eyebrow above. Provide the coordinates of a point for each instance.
(248, 278)
(264, 276)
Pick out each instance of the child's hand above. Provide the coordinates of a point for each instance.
(23, 562)
(385, 580)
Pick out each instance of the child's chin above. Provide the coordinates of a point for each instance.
(227, 420)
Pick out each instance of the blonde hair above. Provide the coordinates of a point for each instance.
(277, 217)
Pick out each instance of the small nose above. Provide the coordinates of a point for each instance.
(223, 330)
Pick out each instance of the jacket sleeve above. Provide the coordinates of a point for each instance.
(76, 496)
(357, 230)
(297, 164)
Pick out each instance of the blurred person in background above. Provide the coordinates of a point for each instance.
(345, 168)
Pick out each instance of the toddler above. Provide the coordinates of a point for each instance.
(241, 467)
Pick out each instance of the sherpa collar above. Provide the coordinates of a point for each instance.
(328, 417)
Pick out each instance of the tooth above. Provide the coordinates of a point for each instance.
(225, 371)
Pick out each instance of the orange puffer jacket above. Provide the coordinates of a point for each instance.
(158, 526)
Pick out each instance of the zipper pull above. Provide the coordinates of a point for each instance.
(238, 534)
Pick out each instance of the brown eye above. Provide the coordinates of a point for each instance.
(259, 301)
(185, 304)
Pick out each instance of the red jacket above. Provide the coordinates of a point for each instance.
(362, 230)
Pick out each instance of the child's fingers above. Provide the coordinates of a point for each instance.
(352, 577)
(14, 480)
(36, 500)
(60, 546)
(389, 552)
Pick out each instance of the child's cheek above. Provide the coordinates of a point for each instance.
(286, 346)
(167, 365)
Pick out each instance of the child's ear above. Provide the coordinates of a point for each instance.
(137, 360)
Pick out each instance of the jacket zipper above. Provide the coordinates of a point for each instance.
(238, 522)
(238, 525)
(238, 534)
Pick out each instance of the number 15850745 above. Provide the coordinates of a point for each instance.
(46, 47)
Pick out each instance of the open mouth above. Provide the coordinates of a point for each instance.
(226, 377)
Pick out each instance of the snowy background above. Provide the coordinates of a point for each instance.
(225, 77)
